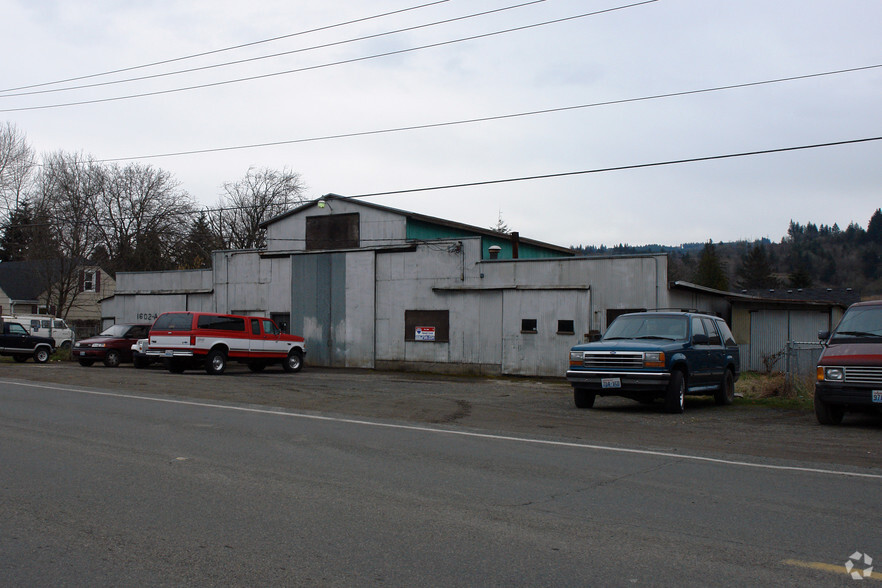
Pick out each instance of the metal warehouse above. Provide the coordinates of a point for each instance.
(370, 286)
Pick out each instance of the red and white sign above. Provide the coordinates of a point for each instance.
(425, 334)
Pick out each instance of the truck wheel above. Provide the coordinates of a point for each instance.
(215, 362)
(20, 358)
(726, 394)
(828, 414)
(675, 398)
(86, 362)
(294, 361)
(112, 359)
(583, 398)
(41, 355)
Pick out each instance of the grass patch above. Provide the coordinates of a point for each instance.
(775, 390)
(61, 354)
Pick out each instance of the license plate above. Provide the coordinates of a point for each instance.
(169, 353)
(82, 353)
(877, 395)
(610, 383)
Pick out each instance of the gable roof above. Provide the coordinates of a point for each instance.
(422, 218)
(21, 280)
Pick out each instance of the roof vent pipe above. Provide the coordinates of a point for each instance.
(515, 242)
(494, 251)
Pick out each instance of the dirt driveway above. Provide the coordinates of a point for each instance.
(536, 407)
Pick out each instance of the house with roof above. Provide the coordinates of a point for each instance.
(25, 285)
(20, 287)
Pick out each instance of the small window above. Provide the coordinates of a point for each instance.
(339, 231)
(528, 326)
(88, 281)
(566, 327)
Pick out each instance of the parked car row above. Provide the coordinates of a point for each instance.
(193, 340)
(647, 356)
(644, 356)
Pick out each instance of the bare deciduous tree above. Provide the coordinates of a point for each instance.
(17, 166)
(259, 196)
(68, 187)
(141, 217)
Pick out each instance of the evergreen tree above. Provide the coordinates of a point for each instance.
(200, 242)
(26, 235)
(17, 234)
(874, 228)
(710, 272)
(801, 278)
(755, 270)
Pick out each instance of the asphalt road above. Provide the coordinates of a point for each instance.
(114, 486)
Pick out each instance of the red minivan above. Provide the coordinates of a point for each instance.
(850, 367)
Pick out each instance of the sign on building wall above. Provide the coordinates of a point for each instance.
(424, 334)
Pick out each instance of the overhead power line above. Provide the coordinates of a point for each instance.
(331, 64)
(274, 55)
(566, 174)
(494, 117)
(215, 51)
(618, 168)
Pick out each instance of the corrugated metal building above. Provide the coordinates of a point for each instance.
(375, 287)
(370, 286)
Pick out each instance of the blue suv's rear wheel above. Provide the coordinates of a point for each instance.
(726, 394)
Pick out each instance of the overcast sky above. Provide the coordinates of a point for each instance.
(646, 50)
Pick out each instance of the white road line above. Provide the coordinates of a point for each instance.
(606, 448)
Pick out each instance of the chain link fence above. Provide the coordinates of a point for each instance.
(800, 361)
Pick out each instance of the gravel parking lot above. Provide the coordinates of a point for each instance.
(522, 406)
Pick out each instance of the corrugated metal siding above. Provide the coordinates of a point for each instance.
(770, 332)
(318, 306)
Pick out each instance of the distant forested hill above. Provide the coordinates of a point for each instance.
(809, 256)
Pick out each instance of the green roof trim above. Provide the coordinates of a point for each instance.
(420, 230)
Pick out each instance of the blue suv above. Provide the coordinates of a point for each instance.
(650, 355)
